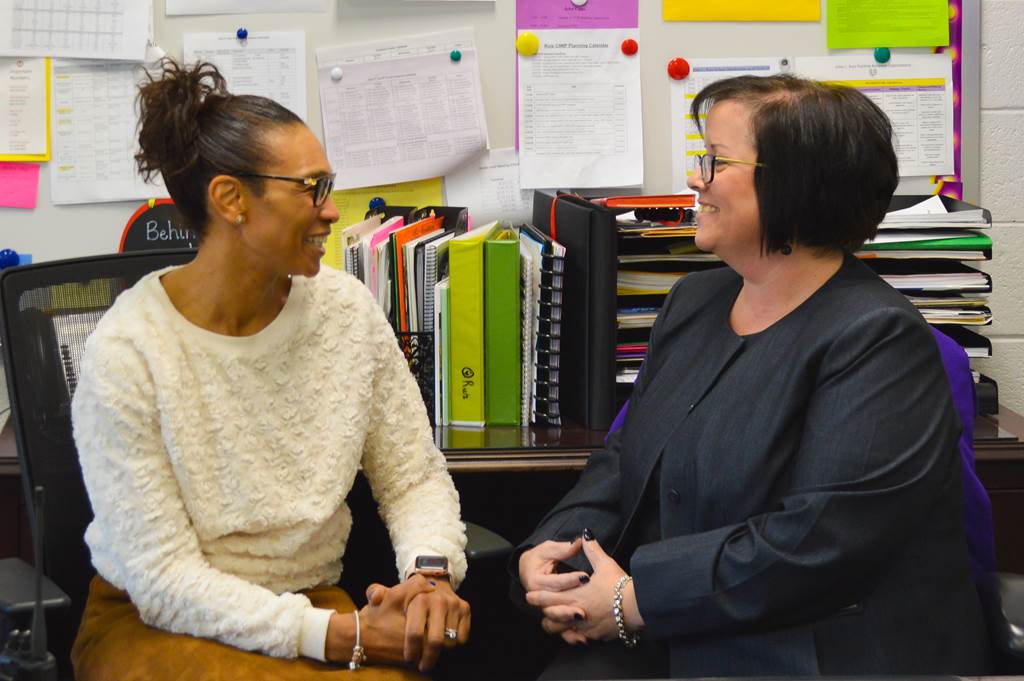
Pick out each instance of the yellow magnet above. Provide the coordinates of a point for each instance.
(527, 44)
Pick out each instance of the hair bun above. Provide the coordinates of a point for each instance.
(170, 106)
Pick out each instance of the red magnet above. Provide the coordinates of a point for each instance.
(629, 47)
(678, 68)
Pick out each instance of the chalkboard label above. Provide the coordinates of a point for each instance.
(157, 225)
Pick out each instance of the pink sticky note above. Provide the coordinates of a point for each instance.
(19, 184)
(566, 14)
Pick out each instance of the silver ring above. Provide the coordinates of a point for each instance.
(451, 634)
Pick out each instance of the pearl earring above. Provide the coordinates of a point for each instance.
(239, 219)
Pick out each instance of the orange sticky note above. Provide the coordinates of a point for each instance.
(19, 184)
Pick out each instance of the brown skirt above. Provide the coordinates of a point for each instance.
(114, 645)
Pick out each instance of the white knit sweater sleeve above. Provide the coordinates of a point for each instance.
(416, 496)
(141, 519)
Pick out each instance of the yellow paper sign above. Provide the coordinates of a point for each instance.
(741, 10)
(353, 203)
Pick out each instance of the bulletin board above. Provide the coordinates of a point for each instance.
(50, 232)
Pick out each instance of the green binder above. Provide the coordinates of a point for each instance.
(466, 282)
(502, 325)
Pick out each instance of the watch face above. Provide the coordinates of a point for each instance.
(431, 563)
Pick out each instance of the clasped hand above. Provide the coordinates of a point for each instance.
(575, 605)
(406, 623)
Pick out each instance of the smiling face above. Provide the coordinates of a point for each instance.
(283, 230)
(729, 223)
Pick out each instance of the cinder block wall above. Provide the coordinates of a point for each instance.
(1002, 190)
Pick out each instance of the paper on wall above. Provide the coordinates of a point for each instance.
(579, 107)
(176, 7)
(401, 109)
(94, 134)
(98, 29)
(908, 23)
(24, 109)
(270, 64)
(489, 187)
(741, 10)
(686, 139)
(352, 204)
(914, 90)
(19, 184)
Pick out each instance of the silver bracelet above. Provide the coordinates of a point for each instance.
(629, 640)
(358, 654)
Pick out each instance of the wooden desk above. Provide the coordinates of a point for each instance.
(549, 460)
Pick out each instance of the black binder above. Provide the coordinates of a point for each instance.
(587, 372)
(547, 350)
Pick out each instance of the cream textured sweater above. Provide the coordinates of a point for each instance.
(218, 466)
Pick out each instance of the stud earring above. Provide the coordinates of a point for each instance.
(239, 219)
(786, 249)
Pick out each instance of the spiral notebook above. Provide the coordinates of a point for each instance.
(541, 367)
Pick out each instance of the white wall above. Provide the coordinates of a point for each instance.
(1002, 188)
(52, 232)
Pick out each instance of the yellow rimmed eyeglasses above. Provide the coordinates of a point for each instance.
(708, 163)
(320, 187)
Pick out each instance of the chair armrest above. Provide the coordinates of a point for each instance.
(18, 588)
(1002, 595)
(482, 543)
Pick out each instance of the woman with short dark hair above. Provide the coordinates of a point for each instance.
(223, 410)
(784, 497)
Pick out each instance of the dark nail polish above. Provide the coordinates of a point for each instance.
(431, 582)
(587, 534)
(584, 579)
(577, 616)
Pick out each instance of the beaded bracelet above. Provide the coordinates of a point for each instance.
(358, 654)
(629, 640)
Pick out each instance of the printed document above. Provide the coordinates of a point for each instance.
(489, 187)
(24, 102)
(686, 139)
(401, 109)
(95, 138)
(914, 90)
(175, 7)
(269, 64)
(97, 29)
(579, 107)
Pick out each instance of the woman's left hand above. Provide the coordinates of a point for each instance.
(594, 598)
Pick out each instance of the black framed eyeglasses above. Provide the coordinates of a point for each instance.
(707, 164)
(320, 187)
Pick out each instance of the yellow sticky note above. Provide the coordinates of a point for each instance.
(741, 10)
(353, 203)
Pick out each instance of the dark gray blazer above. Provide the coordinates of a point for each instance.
(789, 502)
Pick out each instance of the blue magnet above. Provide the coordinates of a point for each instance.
(242, 34)
(882, 55)
(376, 203)
(8, 258)
(456, 56)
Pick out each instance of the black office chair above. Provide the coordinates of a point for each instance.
(46, 313)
